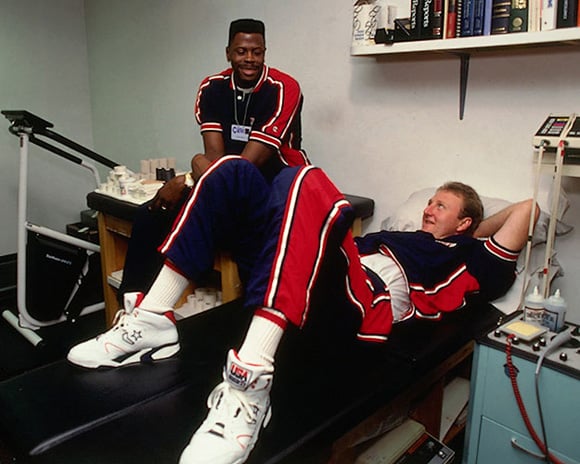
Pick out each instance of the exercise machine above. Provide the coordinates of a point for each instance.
(52, 267)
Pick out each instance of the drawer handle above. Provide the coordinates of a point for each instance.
(516, 445)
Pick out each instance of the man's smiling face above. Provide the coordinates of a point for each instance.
(441, 216)
(246, 54)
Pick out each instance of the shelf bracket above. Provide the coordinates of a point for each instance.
(463, 76)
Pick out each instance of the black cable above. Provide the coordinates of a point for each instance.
(542, 424)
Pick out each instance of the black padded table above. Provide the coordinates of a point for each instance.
(363, 207)
(63, 414)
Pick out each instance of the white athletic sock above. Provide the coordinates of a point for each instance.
(165, 291)
(263, 337)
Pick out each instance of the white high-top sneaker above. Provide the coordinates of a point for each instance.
(239, 407)
(137, 336)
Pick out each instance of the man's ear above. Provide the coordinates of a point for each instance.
(464, 224)
(228, 54)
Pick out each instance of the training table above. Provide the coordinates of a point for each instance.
(325, 396)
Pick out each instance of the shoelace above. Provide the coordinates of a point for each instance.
(224, 393)
(118, 322)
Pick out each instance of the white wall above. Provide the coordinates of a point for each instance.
(43, 69)
(380, 127)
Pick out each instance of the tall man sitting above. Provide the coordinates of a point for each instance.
(249, 109)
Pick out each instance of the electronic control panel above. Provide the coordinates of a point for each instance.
(556, 128)
(560, 351)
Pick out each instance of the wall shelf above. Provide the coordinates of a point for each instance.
(568, 36)
(463, 47)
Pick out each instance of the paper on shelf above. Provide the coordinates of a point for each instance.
(455, 398)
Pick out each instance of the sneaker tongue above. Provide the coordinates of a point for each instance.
(132, 300)
(239, 374)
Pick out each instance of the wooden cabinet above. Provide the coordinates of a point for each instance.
(114, 235)
(115, 220)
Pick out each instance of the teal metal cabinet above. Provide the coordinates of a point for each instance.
(494, 420)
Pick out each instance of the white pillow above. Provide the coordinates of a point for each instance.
(408, 216)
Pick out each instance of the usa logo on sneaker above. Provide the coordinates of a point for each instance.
(238, 376)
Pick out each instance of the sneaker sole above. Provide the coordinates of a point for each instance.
(145, 356)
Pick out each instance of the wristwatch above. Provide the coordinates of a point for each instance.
(189, 180)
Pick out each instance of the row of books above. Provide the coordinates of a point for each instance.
(438, 19)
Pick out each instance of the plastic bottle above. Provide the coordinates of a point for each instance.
(554, 312)
(534, 306)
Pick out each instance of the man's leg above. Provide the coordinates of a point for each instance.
(143, 260)
(308, 219)
(225, 210)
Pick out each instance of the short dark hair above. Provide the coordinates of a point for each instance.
(249, 26)
(472, 204)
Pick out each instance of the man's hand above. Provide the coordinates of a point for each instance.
(168, 195)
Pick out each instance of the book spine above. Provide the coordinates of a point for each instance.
(415, 19)
(500, 18)
(438, 15)
(467, 18)
(426, 30)
(451, 14)
(534, 12)
(567, 13)
(488, 10)
(478, 14)
(519, 16)
(549, 14)
(431, 19)
(458, 17)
